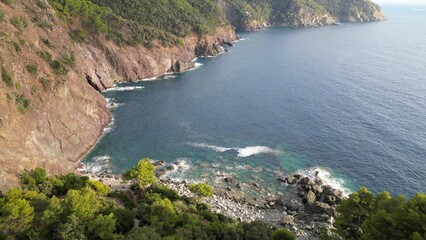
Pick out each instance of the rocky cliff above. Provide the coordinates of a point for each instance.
(248, 15)
(51, 111)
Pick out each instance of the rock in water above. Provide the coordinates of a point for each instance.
(309, 198)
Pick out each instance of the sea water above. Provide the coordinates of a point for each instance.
(348, 101)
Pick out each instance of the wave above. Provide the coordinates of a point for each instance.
(327, 178)
(241, 39)
(125, 88)
(112, 104)
(98, 165)
(249, 151)
(212, 147)
(149, 79)
(242, 152)
(110, 126)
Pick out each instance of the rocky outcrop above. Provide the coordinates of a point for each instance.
(299, 14)
(252, 16)
(52, 115)
(353, 11)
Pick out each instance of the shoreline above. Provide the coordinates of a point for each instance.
(306, 214)
(154, 78)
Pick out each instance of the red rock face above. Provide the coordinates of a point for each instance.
(65, 114)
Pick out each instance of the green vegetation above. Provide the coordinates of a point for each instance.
(142, 173)
(8, 2)
(19, 22)
(22, 103)
(140, 21)
(57, 65)
(32, 68)
(365, 216)
(74, 207)
(6, 77)
(201, 189)
(17, 47)
(2, 16)
(283, 234)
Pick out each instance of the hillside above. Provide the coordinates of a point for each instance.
(56, 56)
(256, 14)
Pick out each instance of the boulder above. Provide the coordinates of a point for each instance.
(297, 176)
(280, 202)
(228, 180)
(291, 180)
(329, 199)
(239, 185)
(287, 220)
(305, 181)
(281, 179)
(317, 189)
(310, 197)
(292, 205)
(318, 208)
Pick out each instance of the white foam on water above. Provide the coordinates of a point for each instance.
(242, 152)
(254, 150)
(122, 89)
(197, 65)
(149, 79)
(169, 76)
(238, 167)
(98, 165)
(112, 104)
(182, 164)
(327, 178)
(212, 147)
(110, 126)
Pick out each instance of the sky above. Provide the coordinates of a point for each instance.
(400, 2)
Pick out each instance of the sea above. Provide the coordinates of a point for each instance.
(346, 101)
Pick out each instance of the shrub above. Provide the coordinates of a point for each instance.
(124, 197)
(68, 59)
(100, 188)
(283, 234)
(142, 173)
(22, 103)
(78, 35)
(201, 189)
(59, 67)
(2, 16)
(8, 2)
(32, 68)
(125, 220)
(19, 22)
(17, 47)
(7, 78)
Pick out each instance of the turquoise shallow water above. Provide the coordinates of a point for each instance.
(349, 100)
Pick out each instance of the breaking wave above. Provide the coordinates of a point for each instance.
(98, 165)
(125, 88)
(242, 152)
(327, 178)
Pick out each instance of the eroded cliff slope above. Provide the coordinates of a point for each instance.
(51, 112)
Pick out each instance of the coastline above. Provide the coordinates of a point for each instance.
(306, 214)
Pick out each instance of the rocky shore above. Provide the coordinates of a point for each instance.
(307, 207)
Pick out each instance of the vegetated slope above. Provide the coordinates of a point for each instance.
(255, 14)
(56, 54)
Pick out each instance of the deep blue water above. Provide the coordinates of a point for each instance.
(349, 99)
